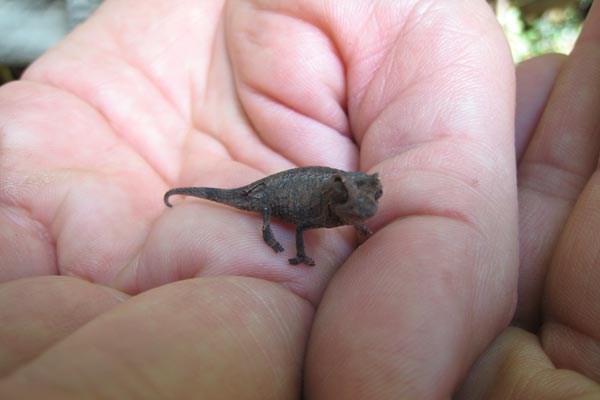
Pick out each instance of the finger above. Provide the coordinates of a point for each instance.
(290, 80)
(535, 79)
(236, 338)
(36, 313)
(571, 329)
(516, 367)
(414, 306)
(558, 162)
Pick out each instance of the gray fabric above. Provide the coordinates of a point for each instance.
(79, 10)
(29, 27)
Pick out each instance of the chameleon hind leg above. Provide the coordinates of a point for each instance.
(301, 257)
(268, 236)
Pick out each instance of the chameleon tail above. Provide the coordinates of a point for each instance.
(231, 197)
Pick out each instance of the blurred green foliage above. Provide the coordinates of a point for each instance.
(554, 31)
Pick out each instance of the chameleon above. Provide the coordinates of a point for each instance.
(307, 197)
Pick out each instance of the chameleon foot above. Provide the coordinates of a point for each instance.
(302, 260)
(277, 247)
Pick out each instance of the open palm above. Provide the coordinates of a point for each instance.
(142, 98)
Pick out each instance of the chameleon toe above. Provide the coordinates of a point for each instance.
(302, 260)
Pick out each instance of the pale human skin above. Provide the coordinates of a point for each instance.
(96, 298)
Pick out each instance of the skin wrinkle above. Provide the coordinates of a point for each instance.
(130, 144)
(49, 82)
(257, 135)
(27, 222)
(241, 284)
(47, 232)
(350, 60)
(224, 144)
(362, 96)
(348, 163)
(450, 214)
(546, 332)
(432, 76)
(294, 14)
(275, 101)
(64, 269)
(66, 325)
(551, 173)
(96, 103)
(343, 98)
(236, 153)
(280, 102)
(464, 178)
(202, 126)
(407, 88)
(57, 232)
(274, 315)
(360, 90)
(371, 128)
(37, 229)
(140, 64)
(152, 82)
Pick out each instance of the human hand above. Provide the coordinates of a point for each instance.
(552, 354)
(142, 99)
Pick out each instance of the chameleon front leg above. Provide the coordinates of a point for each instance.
(268, 236)
(363, 230)
(301, 257)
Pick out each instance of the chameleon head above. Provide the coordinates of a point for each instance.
(353, 196)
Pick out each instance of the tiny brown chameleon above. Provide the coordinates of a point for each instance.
(308, 197)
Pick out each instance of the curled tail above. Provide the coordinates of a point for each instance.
(231, 197)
